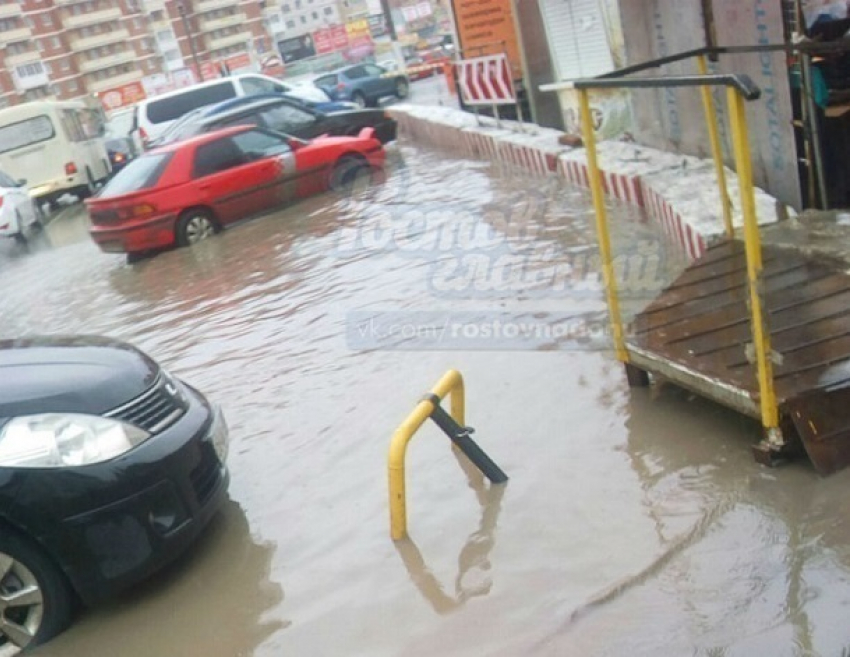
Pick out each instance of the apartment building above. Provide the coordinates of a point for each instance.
(77, 48)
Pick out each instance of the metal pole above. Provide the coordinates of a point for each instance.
(190, 36)
(716, 149)
(752, 242)
(602, 228)
(814, 126)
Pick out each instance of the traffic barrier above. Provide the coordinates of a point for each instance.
(452, 425)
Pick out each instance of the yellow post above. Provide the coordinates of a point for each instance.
(716, 150)
(452, 382)
(761, 332)
(602, 228)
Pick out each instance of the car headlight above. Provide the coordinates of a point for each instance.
(56, 440)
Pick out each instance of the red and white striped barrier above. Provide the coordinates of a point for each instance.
(661, 183)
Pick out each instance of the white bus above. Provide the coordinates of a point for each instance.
(56, 146)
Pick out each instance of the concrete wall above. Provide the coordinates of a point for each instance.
(673, 119)
(539, 69)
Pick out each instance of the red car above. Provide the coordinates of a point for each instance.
(184, 192)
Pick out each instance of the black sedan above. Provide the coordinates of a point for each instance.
(286, 116)
(109, 468)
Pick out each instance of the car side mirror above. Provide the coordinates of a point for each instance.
(295, 143)
(21, 182)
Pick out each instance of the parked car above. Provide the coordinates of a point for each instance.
(419, 69)
(184, 192)
(364, 84)
(19, 212)
(155, 114)
(109, 468)
(120, 151)
(281, 115)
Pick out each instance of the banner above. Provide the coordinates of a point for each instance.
(322, 41)
(123, 96)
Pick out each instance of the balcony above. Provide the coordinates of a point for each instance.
(203, 6)
(93, 17)
(9, 10)
(110, 83)
(16, 35)
(28, 57)
(85, 43)
(208, 25)
(217, 43)
(30, 81)
(91, 65)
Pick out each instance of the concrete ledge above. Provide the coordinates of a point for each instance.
(678, 192)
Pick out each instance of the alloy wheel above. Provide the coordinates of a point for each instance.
(198, 228)
(21, 605)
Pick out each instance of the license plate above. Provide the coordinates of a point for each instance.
(220, 436)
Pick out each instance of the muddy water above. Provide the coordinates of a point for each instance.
(634, 522)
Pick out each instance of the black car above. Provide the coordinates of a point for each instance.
(121, 151)
(109, 468)
(288, 117)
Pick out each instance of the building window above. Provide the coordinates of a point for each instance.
(290, 24)
(328, 11)
(66, 64)
(137, 24)
(29, 70)
(303, 20)
(72, 86)
(315, 15)
(286, 9)
(46, 19)
(56, 42)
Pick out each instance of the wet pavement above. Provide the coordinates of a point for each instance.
(634, 522)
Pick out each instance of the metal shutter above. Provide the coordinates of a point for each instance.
(578, 39)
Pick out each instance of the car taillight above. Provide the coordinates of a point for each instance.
(70, 168)
(1, 201)
(340, 86)
(118, 158)
(143, 135)
(140, 210)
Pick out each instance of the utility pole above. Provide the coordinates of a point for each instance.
(388, 17)
(181, 9)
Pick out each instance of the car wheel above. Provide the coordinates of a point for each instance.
(88, 189)
(402, 88)
(19, 237)
(35, 600)
(194, 226)
(358, 99)
(345, 172)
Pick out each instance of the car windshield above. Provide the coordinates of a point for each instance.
(142, 173)
(175, 130)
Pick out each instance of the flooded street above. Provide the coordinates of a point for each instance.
(635, 522)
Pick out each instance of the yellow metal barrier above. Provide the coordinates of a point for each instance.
(769, 410)
(598, 191)
(452, 425)
(452, 382)
(716, 150)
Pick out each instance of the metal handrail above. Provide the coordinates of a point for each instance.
(747, 88)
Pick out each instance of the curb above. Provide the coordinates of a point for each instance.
(677, 192)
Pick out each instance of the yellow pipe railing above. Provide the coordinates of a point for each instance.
(451, 383)
(716, 149)
(752, 243)
(598, 192)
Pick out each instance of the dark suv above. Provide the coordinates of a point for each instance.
(364, 84)
(109, 468)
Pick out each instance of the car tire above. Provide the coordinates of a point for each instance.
(359, 99)
(36, 602)
(86, 190)
(345, 172)
(194, 226)
(402, 89)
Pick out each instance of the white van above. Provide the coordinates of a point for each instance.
(56, 146)
(154, 115)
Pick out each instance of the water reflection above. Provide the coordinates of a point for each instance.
(474, 557)
(218, 599)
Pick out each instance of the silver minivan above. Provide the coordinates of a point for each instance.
(155, 114)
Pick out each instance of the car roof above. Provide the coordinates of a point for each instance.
(200, 140)
(227, 107)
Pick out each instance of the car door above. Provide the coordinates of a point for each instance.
(277, 175)
(291, 120)
(383, 86)
(229, 182)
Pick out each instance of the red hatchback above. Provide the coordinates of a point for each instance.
(184, 192)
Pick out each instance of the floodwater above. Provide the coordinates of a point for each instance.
(634, 522)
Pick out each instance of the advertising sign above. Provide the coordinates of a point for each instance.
(483, 23)
(377, 25)
(339, 37)
(322, 41)
(486, 81)
(123, 96)
(358, 33)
